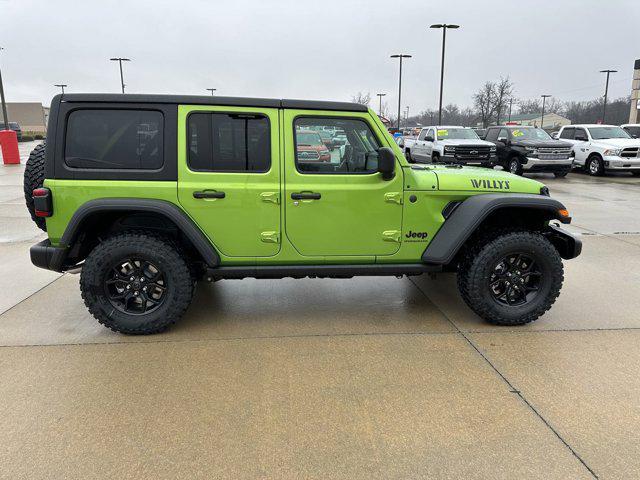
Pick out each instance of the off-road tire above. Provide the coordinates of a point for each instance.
(514, 165)
(34, 178)
(474, 272)
(157, 249)
(594, 166)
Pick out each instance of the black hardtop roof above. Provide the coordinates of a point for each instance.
(210, 100)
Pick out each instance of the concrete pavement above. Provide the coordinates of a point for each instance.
(363, 378)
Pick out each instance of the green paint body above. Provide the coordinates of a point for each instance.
(360, 218)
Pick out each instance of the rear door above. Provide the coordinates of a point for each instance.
(229, 176)
(340, 207)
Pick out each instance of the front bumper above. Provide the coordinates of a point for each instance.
(490, 160)
(538, 165)
(568, 245)
(621, 163)
(45, 255)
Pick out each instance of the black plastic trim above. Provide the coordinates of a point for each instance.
(321, 271)
(569, 246)
(130, 205)
(468, 216)
(214, 100)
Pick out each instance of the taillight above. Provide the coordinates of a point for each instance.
(42, 202)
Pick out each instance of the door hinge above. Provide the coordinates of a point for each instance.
(391, 236)
(393, 197)
(270, 237)
(272, 197)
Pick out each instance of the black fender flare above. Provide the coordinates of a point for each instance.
(467, 216)
(167, 209)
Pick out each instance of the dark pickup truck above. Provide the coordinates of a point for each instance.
(530, 149)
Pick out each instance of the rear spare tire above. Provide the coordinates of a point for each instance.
(34, 178)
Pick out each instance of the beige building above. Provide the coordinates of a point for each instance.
(551, 120)
(31, 116)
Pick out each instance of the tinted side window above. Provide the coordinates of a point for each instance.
(581, 134)
(422, 135)
(568, 133)
(227, 142)
(115, 139)
(355, 150)
(492, 134)
(504, 133)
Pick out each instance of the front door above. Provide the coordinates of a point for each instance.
(229, 176)
(336, 203)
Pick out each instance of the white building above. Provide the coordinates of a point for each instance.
(551, 120)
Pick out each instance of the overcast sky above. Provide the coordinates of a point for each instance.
(310, 49)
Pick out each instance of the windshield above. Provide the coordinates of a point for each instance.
(601, 133)
(308, 138)
(457, 134)
(530, 134)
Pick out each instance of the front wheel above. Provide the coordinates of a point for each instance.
(514, 166)
(435, 158)
(136, 283)
(407, 155)
(512, 278)
(595, 167)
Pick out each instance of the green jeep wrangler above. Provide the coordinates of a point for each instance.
(147, 194)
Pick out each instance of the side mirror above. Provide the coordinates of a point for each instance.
(502, 140)
(386, 163)
(429, 138)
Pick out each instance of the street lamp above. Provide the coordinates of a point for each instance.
(544, 100)
(606, 92)
(61, 85)
(120, 60)
(4, 104)
(212, 90)
(380, 95)
(444, 28)
(400, 56)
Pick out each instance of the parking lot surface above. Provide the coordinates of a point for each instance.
(362, 378)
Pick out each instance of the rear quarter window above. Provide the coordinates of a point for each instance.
(114, 139)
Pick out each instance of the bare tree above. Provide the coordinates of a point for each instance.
(552, 105)
(502, 93)
(483, 100)
(361, 98)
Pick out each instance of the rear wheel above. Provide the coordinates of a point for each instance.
(136, 283)
(595, 167)
(34, 178)
(511, 278)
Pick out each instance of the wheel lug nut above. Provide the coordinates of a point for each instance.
(135, 293)
(132, 278)
(128, 287)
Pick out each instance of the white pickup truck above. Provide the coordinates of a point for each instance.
(601, 148)
(450, 144)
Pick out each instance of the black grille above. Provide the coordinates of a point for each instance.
(469, 151)
(630, 152)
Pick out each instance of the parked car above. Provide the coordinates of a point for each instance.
(602, 148)
(450, 144)
(327, 138)
(16, 128)
(311, 148)
(530, 149)
(234, 199)
(633, 129)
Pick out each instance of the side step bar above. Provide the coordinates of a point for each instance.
(319, 271)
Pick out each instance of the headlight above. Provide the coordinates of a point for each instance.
(450, 149)
(613, 152)
(493, 149)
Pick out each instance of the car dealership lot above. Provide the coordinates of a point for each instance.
(370, 377)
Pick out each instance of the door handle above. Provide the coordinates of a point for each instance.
(208, 194)
(305, 196)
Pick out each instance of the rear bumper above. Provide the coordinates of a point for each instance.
(44, 255)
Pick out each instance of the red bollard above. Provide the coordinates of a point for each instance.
(9, 145)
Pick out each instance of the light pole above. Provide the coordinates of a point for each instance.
(444, 28)
(400, 56)
(120, 60)
(511, 100)
(212, 90)
(61, 85)
(606, 92)
(380, 95)
(4, 104)
(407, 116)
(544, 100)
